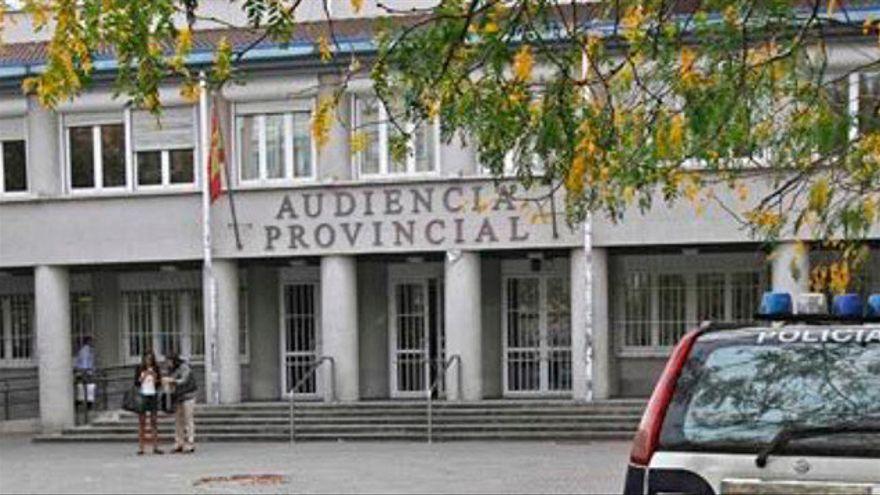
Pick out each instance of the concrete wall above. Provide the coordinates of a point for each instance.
(372, 279)
(263, 326)
(637, 376)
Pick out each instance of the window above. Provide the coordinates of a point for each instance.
(13, 167)
(82, 319)
(166, 321)
(655, 307)
(97, 156)
(172, 320)
(376, 131)
(274, 146)
(16, 329)
(164, 147)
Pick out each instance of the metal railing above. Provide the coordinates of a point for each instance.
(22, 391)
(312, 370)
(441, 377)
(12, 385)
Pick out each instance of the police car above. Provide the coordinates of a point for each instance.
(783, 407)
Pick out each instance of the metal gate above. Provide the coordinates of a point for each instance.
(537, 339)
(417, 340)
(300, 336)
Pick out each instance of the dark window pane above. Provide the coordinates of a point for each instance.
(14, 168)
(149, 168)
(113, 154)
(181, 166)
(82, 158)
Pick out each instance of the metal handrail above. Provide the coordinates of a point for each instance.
(312, 370)
(455, 358)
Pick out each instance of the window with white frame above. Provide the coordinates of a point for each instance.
(655, 305)
(128, 150)
(856, 95)
(375, 130)
(13, 156)
(96, 151)
(16, 329)
(274, 142)
(164, 147)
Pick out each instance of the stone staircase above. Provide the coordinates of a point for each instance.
(385, 420)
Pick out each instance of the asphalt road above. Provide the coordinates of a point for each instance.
(392, 467)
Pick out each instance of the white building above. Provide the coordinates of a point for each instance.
(374, 263)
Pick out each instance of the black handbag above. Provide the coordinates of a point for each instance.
(132, 400)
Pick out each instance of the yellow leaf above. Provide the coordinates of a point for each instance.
(832, 6)
(574, 180)
(324, 49)
(322, 120)
(359, 142)
(190, 91)
(357, 5)
(819, 195)
(742, 191)
(523, 62)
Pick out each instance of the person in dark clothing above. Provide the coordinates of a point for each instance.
(148, 378)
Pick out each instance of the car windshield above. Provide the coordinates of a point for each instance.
(737, 392)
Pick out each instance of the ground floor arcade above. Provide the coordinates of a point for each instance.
(500, 323)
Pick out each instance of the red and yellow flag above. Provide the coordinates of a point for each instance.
(217, 159)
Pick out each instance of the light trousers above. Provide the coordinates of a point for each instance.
(184, 425)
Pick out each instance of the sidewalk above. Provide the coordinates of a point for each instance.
(462, 467)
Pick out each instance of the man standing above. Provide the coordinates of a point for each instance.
(84, 369)
(184, 397)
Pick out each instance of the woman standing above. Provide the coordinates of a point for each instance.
(148, 379)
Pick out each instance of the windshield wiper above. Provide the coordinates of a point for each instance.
(795, 432)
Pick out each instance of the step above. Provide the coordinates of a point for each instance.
(372, 427)
(284, 419)
(363, 436)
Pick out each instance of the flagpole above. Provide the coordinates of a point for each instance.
(210, 292)
(588, 266)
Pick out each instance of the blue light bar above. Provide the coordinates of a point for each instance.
(775, 304)
(847, 306)
(873, 312)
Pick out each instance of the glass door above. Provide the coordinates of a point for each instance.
(300, 338)
(417, 340)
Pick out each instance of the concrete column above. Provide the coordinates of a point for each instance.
(339, 324)
(108, 332)
(43, 154)
(590, 346)
(464, 325)
(52, 289)
(263, 333)
(228, 360)
(791, 269)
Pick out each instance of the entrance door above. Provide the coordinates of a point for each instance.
(300, 333)
(537, 341)
(416, 331)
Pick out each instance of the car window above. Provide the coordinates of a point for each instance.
(736, 394)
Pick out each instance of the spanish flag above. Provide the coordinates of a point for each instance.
(217, 159)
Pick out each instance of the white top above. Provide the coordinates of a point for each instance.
(148, 383)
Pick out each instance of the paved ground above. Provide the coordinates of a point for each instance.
(466, 467)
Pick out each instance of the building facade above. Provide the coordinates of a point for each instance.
(386, 267)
